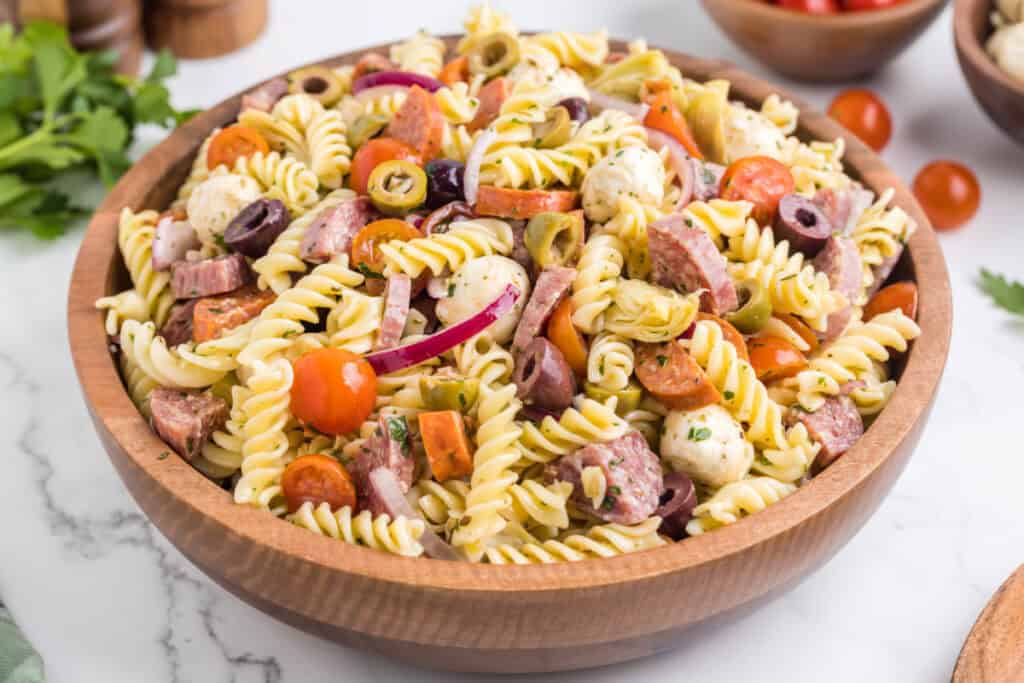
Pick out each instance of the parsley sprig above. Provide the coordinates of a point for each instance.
(1008, 294)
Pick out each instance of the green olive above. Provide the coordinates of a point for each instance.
(554, 130)
(318, 82)
(494, 55)
(554, 239)
(397, 187)
(628, 398)
(755, 308)
(706, 116)
(445, 393)
(365, 128)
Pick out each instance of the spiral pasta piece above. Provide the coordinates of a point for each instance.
(458, 103)
(457, 141)
(281, 136)
(534, 504)
(138, 384)
(588, 421)
(464, 241)
(606, 540)
(179, 368)
(384, 103)
(782, 113)
(649, 313)
(441, 504)
(597, 276)
(422, 54)
(265, 448)
(221, 456)
(610, 362)
(353, 324)
(647, 419)
(629, 224)
(297, 110)
(483, 359)
(135, 232)
(719, 218)
(626, 77)
(579, 51)
(400, 536)
(282, 178)
(329, 153)
(482, 21)
(126, 305)
(880, 233)
(815, 166)
(735, 500)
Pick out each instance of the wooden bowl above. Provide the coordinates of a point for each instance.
(468, 617)
(830, 48)
(1000, 96)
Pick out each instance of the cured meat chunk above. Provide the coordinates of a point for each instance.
(552, 286)
(397, 298)
(684, 258)
(185, 420)
(265, 96)
(332, 231)
(836, 425)
(193, 279)
(840, 260)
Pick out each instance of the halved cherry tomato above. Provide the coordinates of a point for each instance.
(419, 123)
(760, 180)
(674, 377)
(492, 96)
(949, 193)
(901, 295)
(366, 256)
(563, 334)
(729, 332)
(523, 204)
(447, 448)
(333, 390)
(865, 115)
(801, 328)
(859, 5)
(317, 479)
(373, 154)
(214, 315)
(811, 6)
(455, 71)
(775, 358)
(233, 143)
(666, 117)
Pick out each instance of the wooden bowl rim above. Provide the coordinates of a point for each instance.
(758, 10)
(970, 47)
(97, 370)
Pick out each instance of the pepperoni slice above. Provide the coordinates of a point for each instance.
(317, 479)
(674, 377)
(419, 123)
(524, 204)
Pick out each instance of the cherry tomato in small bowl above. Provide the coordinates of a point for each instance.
(760, 180)
(865, 115)
(948, 192)
(317, 479)
(373, 154)
(811, 6)
(333, 390)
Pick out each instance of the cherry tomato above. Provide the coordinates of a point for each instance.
(366, 244)
(948, 192)
(811, 6)
(775, 358)
(760, 180)
(729, 333)
(233, 143)
(801, 328)
(455, 71)
(901, 295)
(563, 334)
(674, 377)
(374, 153)
(333, 390)
(863, 114)
(666, 117)
(859, 5)
(317, 479)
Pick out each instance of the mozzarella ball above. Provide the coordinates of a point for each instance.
(636, 172)
(707, 444)
(479, 282)
(1006, 46)
(747, 133)
(216, 201)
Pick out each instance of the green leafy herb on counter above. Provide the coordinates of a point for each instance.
(1007, 294)
(62, 111)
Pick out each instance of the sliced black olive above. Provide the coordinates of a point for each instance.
(256, 227)
(577, 108)
(444, 182)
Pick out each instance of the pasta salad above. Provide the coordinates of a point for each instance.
(526, 300)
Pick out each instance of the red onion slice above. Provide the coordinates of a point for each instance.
(680, 160)
(403, 78)
(393, 360)
(599, 102)
(172, 240)
(387, 486)
(471, 179)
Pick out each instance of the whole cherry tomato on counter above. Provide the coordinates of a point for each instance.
(317, 479)
(948, 192)
(333, 390)
(811, 6)
(861, 5)
(760, 180)
(373, 154)
(865, 115)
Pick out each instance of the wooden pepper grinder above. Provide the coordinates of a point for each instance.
(95, 25)
(204, 28)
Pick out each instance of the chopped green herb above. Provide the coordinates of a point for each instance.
(662, 360)
(369, 272)
(608, 503)
(728, 395)
(164, 455)
(1008, 295)
(398, 429)
(698, 433)
(451, 289)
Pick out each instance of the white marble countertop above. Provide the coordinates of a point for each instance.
(105, 598)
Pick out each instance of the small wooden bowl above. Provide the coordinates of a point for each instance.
(816, 48)
(468, 617)
(1000, 96)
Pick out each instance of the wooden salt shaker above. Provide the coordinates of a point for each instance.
(204, 28)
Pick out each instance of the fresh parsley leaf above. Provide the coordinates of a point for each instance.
(698, 433)
(164, 66)
(1008, 294)
(368, 272)
(398, 429)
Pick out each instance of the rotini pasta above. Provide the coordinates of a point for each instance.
(135, 238)
(587, 422)
(735, 500)
(464, 241)
(422, 54)
(398, 537)
(606, 540)
(597, 277)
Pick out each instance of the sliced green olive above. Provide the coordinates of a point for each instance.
(365, 128)
(554, 130)
(319, 83)
(628, 398)
(706, 116)
(494, 55)
(440, 393)
(397, 187)
(755, 308)
(554, 239)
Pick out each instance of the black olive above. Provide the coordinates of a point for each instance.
(444, 182)
(256, 227)
(577, 108)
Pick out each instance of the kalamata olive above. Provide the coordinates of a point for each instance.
(577, 108)
(803, 224)
(438, 219)
(444, 182)
(256, 227)
(543, 376)
(676, 505)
